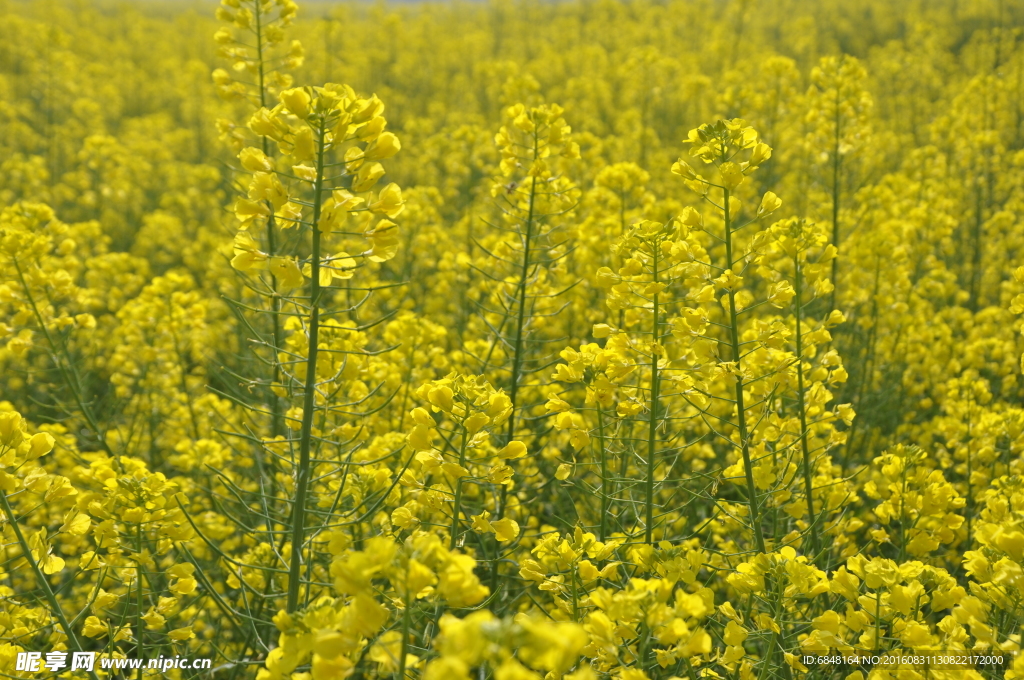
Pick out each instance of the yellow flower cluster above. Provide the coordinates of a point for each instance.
(332, 347)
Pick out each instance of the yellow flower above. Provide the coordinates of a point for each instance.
(505, 529)
(154, 621)
(254, 160)
(181, 634)
(735, 634)
(367, 176)
(296, 101)
(286, 271)
(385, 146)
(732, 176)
(94, 627)
(389, 201)
(512, 450)
(769, 204)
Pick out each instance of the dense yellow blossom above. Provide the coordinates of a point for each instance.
(606, 340)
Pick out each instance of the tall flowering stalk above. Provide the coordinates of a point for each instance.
(523, 268)
(733, 151)
(260, 54)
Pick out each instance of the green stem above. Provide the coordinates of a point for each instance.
(652, 429)
(517, 352)
(575, 594)
(302, 476)
(276, 417)
(741, 419)
(878, 619)
(603, 532)
(866, 365)
(802, 406)
(835, 204)
(406, 622)
(457, 504)
(970, 495)
(51, 599)
(140, 648)
(903, 513)
(61, 355)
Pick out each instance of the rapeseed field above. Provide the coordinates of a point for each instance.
(517, 340)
